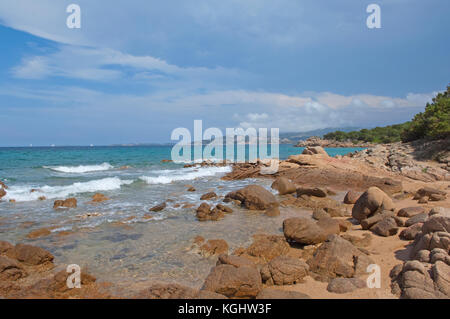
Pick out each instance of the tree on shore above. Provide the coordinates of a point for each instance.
(433, 123)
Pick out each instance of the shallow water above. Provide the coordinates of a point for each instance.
(118, 243)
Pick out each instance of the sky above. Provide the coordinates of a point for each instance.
(138, 69)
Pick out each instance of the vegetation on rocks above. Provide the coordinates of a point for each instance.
(433, 123)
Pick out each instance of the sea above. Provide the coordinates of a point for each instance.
(119, 240)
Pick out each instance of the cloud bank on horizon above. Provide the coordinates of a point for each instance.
(136, 71)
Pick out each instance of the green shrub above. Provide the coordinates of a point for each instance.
(433, 123)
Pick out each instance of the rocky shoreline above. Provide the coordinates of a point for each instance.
(364, 211)
(317, 141)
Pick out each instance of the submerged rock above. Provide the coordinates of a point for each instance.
(283, 186)
(158, 207)
(67, 203)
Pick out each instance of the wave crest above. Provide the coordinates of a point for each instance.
(81, 168)
(24, 194)
(170, 176)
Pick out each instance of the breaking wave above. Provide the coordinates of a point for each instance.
(169, 176)
(81, 168)
(24, 193)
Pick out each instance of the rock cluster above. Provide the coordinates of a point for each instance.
(427, 274)
(204, 212)
(401, 158)
(317, 141)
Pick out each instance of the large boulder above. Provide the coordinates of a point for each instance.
(284, 270)
(234, 282)
(436, 223)
(254, 197)
(414, 280)
(370, 202)
(32, 255)
(308, 232)
(434, 234)
(337, 257)
(283, 186)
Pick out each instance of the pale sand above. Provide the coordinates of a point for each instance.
(385, 251)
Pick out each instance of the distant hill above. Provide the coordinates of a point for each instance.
(294, 137)
(432, 124)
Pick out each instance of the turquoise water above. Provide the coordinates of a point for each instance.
(117, 239)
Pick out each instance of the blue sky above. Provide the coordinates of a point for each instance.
(138, 69)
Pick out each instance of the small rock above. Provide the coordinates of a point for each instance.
(68, 203)
(411, 232)
(158, 207)
(273, 211)
(419, 218)
(316, 191)
(283, 186)
(224, 208)
(344, 285)
(214, 247)
(208, 196)
(411, 211)
(386, 227)
(320, 213)
(351, 197)
(97, 198)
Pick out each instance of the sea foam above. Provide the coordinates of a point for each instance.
(81, 168)
(24, 194)
(169, 176)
